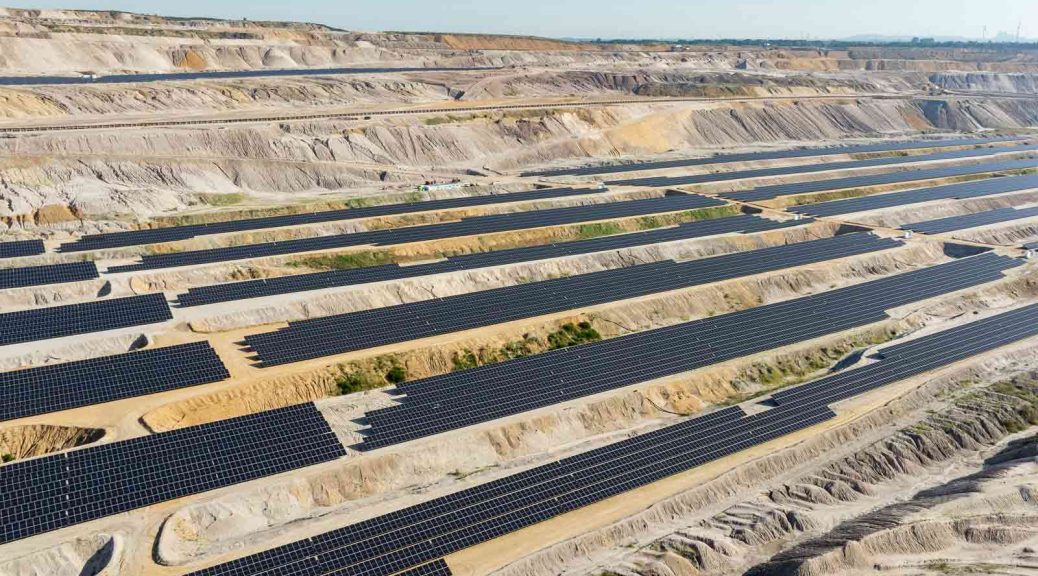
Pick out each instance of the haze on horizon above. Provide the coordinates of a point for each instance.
(790, 19)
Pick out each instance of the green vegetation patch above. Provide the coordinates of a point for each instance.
(711, 213)
(345, 261)
(573, 335)
(220, 199)
(468, 358)
(381, 371)
(588, 231)
(569, 334)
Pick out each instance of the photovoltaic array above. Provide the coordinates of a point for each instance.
(370, 328)
(50, 274)
(769, 155)
(170, 234)
(61, 490)
(962, 190)
(449, 401)
(918, 356)
(52, 492)
(338, 278)
(664, 181)
(408, 538)
(57, 387)
(464, 227)
(769, 192)
(72, 319)
(952, 223)
(437, 568)
(21, 248)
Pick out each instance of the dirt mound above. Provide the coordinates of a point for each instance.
(38, 439)
(97, 555)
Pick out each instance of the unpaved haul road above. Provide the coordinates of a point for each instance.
(417, 110)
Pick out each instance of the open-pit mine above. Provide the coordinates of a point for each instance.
(284, 299)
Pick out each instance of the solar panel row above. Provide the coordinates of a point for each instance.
(72, 319)
(952, 223)
(962, 190)
(21, 248)
(449, 401)
(918, 356)
(340, 278)
(43, 275)
(437, 568)
(769, 155)
(154, 235)
(403, 539)
(768, 192)
(98, 380)
(463, 227)
(48, 493)
(370, 328)
(667, 181)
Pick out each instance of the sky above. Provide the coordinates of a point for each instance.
(816, 19)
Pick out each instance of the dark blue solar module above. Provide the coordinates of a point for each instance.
(449, 401)
(464, 227)
(49, 274)
(437, 568)
(769, 155)
(52, 492)
(975, 189)
(952, 223)
(918, 356)
(173, 233)
(768, 192)
(339, 278)
(330, 335)
(57, 387)
(408, 538)
(72, 319)
(21, 248)
(666, 181)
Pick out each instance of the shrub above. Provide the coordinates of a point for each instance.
(396, 374)
(345, 261)
(572, 335)
(464, 360)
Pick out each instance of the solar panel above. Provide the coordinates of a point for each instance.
(464, 227)
(406, 539)
(21, 248)
(437, 568)
(449, 401)
(72, 319)
(667, 181)
(68, 385)
(370, 328)
(917, 356)
(769, 155)
(962, 190)
(952, 223)
(43, 275)
(61, 490)
(768, 192)
(173, 233)
(339, 278)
